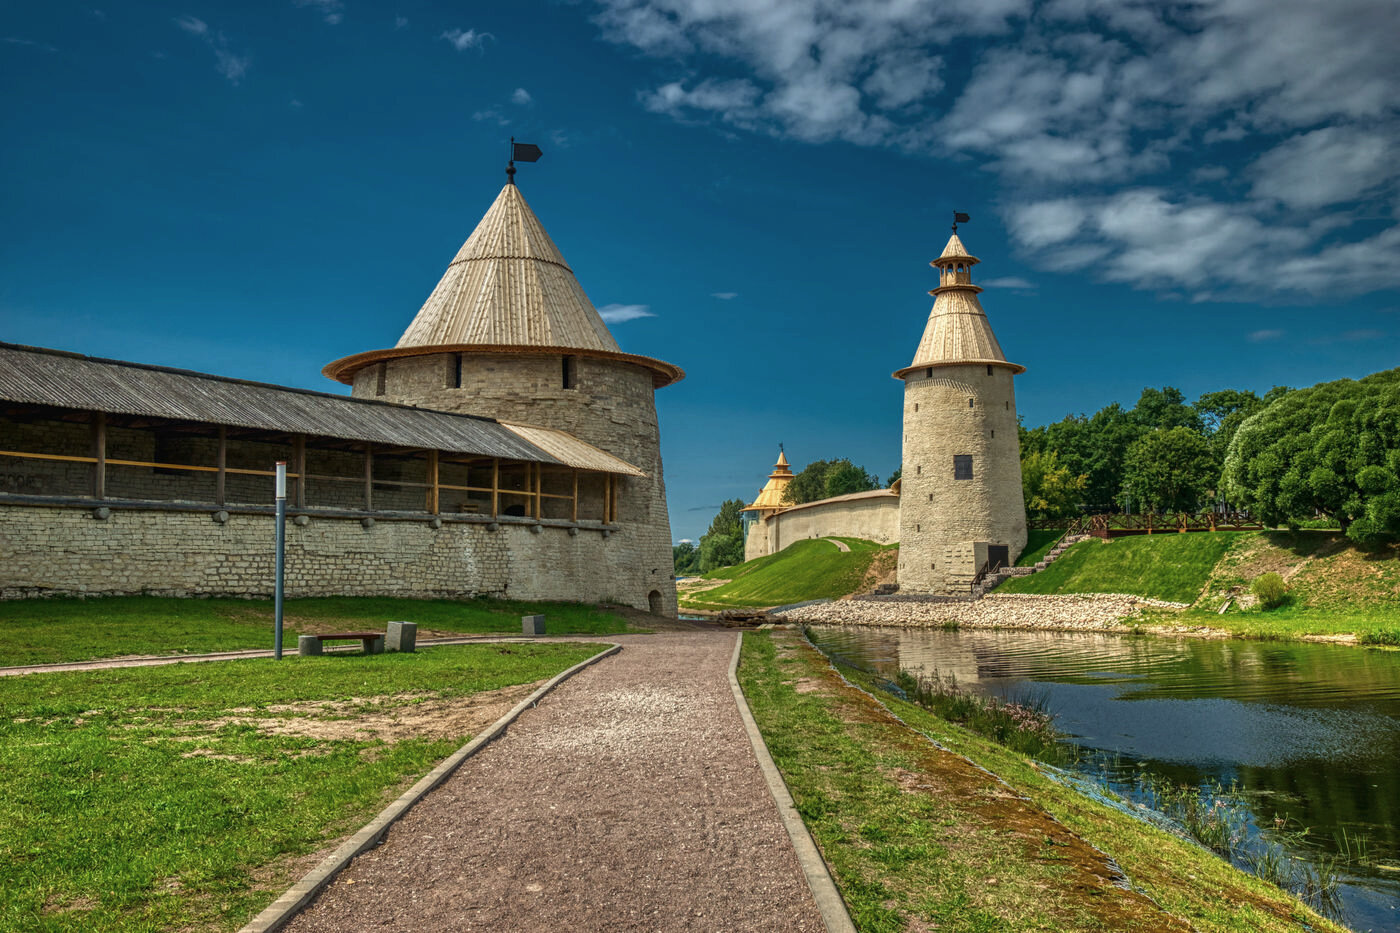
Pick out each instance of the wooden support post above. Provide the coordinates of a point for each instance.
(369, 477)
(607, 498)
(495, 488)
(299, 465)
(539, 487)
(99, 446)
(433, 482)
(221, 463)
(573, 514)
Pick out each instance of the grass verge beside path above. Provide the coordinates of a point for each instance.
(813, 569)
(1171, 566)
(1039, 541)
(919, 839)
(49, 631)
(188, 796)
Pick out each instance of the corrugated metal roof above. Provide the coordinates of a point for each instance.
(38, 376)
(571, 451)
(509, 285)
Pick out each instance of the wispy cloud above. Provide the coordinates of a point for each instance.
(400, 22)
(491, 115)
(1260, 336)
(463, 39)
(332, 11)
(616, 314)
(1093, 115)
(522, 97)
(724, 296)
(228, 63)
(41, 46)
(1009, 281)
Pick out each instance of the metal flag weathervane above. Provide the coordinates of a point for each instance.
(521, 152)
(960, 218)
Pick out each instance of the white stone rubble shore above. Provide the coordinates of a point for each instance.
(1109, 612)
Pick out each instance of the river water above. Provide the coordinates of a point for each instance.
(1310, 733)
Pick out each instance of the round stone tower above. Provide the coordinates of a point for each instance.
(509, 334)
(960, 504)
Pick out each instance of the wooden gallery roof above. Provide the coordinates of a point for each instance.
(37, 376)
(508, 290)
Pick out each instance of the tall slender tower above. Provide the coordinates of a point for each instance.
(960, 499)
(508, 333)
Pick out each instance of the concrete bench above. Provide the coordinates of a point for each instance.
(310, 645)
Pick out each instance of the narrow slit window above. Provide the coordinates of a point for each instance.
(989, 369)
(969, 403)
(379, 379)
(962, 466)
(570, 372)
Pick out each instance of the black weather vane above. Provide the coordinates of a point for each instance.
(959, 218)
(520, 152)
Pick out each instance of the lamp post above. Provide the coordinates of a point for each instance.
(281, 558)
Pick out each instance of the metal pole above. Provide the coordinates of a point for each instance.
(281, 558)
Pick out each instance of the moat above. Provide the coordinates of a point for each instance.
(1308, 733)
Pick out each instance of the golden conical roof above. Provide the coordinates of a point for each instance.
(509, 285)
(957, 331)
(771, 495)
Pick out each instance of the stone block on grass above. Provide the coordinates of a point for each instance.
(308, 645)
(532, 625)
(401, 636)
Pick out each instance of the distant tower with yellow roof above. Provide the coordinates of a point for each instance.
(960, 499)
(769, 502)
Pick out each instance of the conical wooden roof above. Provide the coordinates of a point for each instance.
(509, 285)
(771, 495)
(957, 331)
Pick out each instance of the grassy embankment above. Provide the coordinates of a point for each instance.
(918, 838)
(1334, 586)
(45, 631)
(814, 569)
(1039, 541)
(189, 796)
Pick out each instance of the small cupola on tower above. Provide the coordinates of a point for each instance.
(768, 503)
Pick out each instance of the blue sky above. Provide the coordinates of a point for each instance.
(1201, 194)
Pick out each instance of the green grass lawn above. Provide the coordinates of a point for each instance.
(1169, 566)
(1039, 541)
(44, 631)
(814, 569)
(178, 797)
(919, 840)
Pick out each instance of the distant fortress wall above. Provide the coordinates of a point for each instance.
(872, 516)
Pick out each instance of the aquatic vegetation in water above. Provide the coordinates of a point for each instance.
(1021, 723)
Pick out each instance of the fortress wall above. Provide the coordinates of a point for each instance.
(875, 518)
(50, 551)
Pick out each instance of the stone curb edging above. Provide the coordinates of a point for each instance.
(304, 891)
(829, 902)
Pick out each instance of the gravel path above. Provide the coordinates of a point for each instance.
(628, 800)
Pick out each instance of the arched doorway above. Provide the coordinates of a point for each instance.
(654, 602)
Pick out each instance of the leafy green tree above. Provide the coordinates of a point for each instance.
(1165, 408)
(1050, 490)
(723, 544)
(1170, 470)
(894, 477)
(1094, 447)
(1332, 449)
(686, 558)
(822, 479)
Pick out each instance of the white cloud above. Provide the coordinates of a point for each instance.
(615, 313)
(332, 11)
(724, 296)
(521, 96)
(1008, 281)
(466, 39)
(1260, 336)
(491, 115)
(400, 22)
(228, 63)
(1101, 118)
(42, 46)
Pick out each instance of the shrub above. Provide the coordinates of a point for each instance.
(1270, 589)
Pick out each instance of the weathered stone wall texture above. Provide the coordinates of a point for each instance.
(873, 519)
(949, 411)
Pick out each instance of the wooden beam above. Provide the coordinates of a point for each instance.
(369, 477)
(539, 488)
(573, 514)
(299, 465)
(607, 497)
(99, 447)
(221, 480)
(495, 487)
(433, 488)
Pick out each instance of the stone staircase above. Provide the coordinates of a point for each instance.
(992, 580)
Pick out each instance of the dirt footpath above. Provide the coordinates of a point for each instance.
(628, 800)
